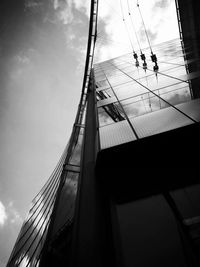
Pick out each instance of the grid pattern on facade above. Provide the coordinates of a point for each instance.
(45, 222)
(134, 94)
(33, 235)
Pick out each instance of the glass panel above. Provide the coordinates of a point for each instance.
(102, 88)
(128, 81)
(106, 101)
(76, 153)
(115, 134)
(104, 118)
(65, 210)
(163, 120)
(33, 233)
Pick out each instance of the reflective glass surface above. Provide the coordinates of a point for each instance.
(28, 247)
(33, 233)
(129, 92)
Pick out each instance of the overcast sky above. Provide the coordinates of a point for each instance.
(42, 56)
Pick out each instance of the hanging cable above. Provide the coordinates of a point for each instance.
(143, 57)
(153, 56)
(126, 27)
(169, 76)
(142, 94)
(120, 105)
(134, 54)
(151, 91)
(130, 15)
(144, 26)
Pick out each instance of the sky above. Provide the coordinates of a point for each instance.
(42, 56)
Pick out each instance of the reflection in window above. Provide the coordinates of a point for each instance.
(31, 239)
(139, 92)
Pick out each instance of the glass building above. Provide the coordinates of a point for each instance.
(141, 102)
(126, 189)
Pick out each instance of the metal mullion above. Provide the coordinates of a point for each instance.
(183, 113)
(70, 148)
(50, 194)
(37, 248)
(178, 65)
(20, 236)
(62, 156)
(32, 244)
(47, 208)
(169, 76)
(74, 171)
(171, 58)
(52, 178)
(58, 170)
(160, 73)
(49, 188)
(36, 234)
(134, 131)
(150, 75)
(127, 98)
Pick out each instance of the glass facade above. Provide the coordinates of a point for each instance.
(133, 102)
(143, 100)
(31, 239)
(49, 204)
(52, 210)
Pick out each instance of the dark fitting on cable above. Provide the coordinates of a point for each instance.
(155, 68)
(137, 63)
(144, 66)
(143, 57)
(154, 58)
(135, 55)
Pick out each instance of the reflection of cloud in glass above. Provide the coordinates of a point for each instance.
(104, 118)
(40, 223)
(76, 153)
(22, 261)
(134, 86)
(65, 209)
(33, 233)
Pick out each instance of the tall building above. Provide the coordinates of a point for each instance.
(126, 189)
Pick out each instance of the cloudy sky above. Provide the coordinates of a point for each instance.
(42, 56)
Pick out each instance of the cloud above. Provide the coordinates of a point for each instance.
(64, 11)
(22, 58)
(13, 214)
(82, 6)
(3, 214)
(152, 35)
(162, 3)
(33, 5)
(9, 214)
